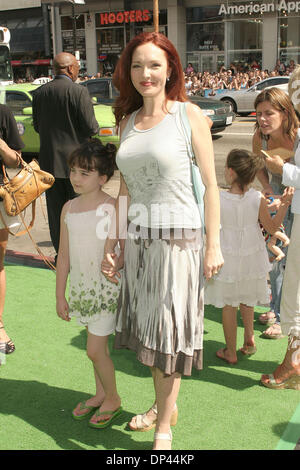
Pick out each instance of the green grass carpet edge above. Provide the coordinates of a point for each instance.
(291, 435)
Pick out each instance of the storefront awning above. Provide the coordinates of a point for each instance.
(18, 63)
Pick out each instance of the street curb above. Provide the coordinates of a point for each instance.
(27, 259)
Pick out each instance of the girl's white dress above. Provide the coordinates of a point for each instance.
(91, 296)
(243, 277)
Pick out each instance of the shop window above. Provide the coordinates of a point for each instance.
(68, 42)
(205, 37)
(244, 34)
(197, 14)
(110, 40)
(289, 39)
(244, 45)
(245, 59)
(67, 22)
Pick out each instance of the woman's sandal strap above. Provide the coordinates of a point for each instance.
(163, 436)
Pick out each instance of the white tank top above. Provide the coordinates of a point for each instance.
(157, 171)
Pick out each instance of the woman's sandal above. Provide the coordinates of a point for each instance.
(267, 318)
(277, 332)
(291, 382)
(163, 436)
(143, 423)
(6, 347)
(83, 406)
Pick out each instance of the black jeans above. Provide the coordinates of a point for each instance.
(61, 192)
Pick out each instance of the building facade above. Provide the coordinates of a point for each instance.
(207, 33)
(30, 45)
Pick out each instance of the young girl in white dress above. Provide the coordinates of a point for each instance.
(92, 298)
(242, 281)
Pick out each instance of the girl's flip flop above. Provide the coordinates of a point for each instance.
(83, 406)
(105, 423)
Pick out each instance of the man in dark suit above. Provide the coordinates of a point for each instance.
(63, 116)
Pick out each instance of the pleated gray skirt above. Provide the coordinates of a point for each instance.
(160, 309)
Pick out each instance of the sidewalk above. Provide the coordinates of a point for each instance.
(21, 250)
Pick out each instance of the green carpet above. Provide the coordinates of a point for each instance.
(221, 407)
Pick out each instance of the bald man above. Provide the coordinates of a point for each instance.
(63, 116)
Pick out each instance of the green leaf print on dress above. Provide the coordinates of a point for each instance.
(87, 302)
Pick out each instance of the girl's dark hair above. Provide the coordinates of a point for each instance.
(245, 164)
(93, 155)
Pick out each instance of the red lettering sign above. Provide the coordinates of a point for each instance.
(103, 18)
(138, 15)
(112, 18)
(146, 15)
(126, 15)
(132, 16)
(120, 17)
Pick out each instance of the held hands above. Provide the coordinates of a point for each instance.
(110, 266)
(213, 261)
(62, 309)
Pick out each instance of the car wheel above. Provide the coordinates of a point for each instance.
(231, 103)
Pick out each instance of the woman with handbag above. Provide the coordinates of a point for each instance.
(10, 146)
(160, 313)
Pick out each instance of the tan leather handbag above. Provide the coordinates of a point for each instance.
(24, 188)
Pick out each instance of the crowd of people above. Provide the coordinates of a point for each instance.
(232, 78)
(147, 279)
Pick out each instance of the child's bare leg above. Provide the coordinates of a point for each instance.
(95, 400)
(97, 351)
(230, 328)
(275, 249)
(282, 237)
(247, 314)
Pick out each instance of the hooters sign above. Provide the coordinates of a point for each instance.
(132, 16)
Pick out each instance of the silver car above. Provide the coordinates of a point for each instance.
(242, 101)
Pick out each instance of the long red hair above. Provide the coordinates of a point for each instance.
(129, 99)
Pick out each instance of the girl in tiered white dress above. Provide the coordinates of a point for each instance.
(92, 298)
(242, 281)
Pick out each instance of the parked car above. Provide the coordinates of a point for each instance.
(19, 99)
(221, 114)
(242, 101)
(102, 89)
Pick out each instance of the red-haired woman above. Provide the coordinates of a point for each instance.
(160, 314)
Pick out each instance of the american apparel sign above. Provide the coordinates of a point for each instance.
(262, 7)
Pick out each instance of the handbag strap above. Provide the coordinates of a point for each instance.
(187, 131)
(27, 230)
(46, 261)
(21, 162)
